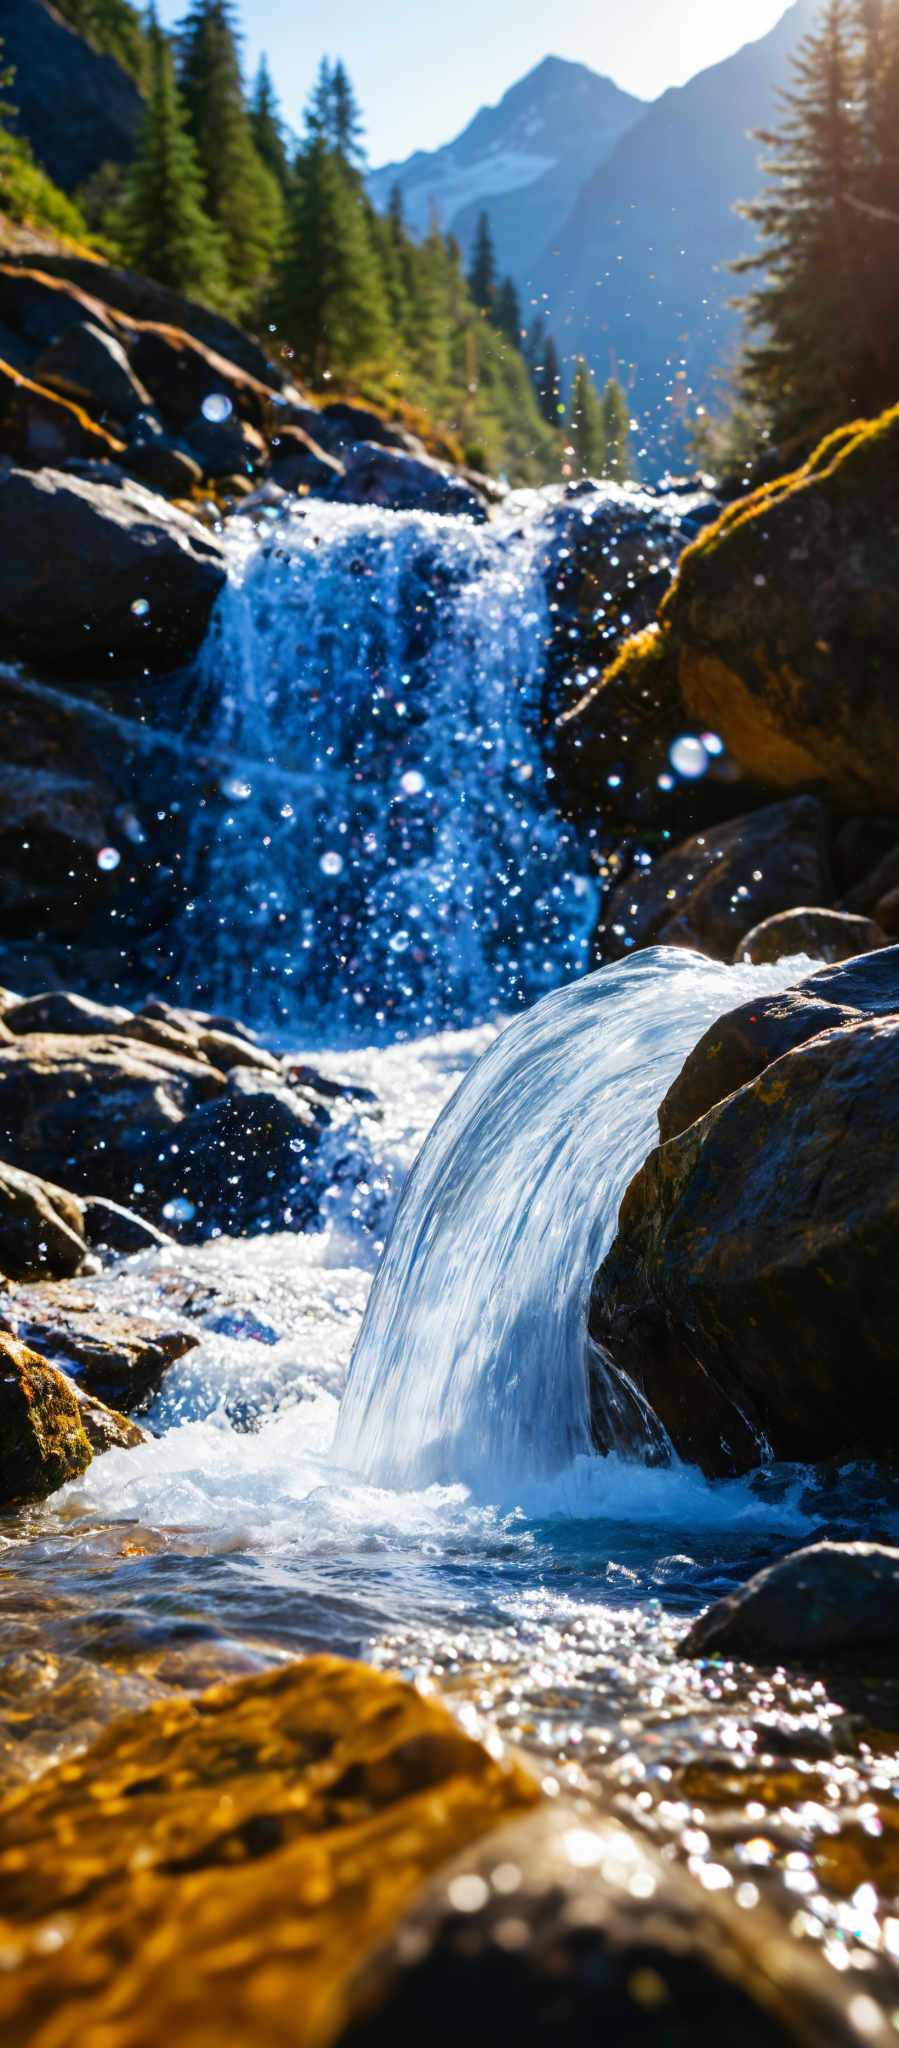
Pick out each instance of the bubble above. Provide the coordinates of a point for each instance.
(413, 782)
(140, 607)
(178, 1210)
(108, 858)
(713, 743)
(331, 863)
(665, 781)
(399, 942)
(216, 408)
(234, 786)
(688, 757)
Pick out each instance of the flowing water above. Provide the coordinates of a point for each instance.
(450, 1518)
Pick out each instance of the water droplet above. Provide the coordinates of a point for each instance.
(413, 782)
(331, 863)
(217, 407)
(399, 942)
(178, 1210)
(234, 786)
(141, 607)
(108, 858)
(713, 743)
(688, 757)
(665, 781)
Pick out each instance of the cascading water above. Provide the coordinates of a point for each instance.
(390, 853)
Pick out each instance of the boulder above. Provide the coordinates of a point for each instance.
(821, 934)
(226, 448)
(160, 466)
(299, 464)
(105, 1428)
(42, 1229)
(40, 428)
(119, 1360)
(63, 1011)
(341, 425)
(52, 827)
(781, 633)
(716, 887)
(90, 367)
(40, 308)
(42, 1437)
(381, 476)
(80, 563)
(752, 1290)
(110, 1228)
(181, 373)
(834, 1603)
(877, 887)
(292, 1815)
(79, 109)
(128, 298)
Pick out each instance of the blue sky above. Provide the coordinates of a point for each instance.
(421, 68)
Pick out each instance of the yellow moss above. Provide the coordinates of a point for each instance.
(213, 1870)
(755, 734)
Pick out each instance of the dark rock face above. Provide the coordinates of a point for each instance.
(226, 448)
(341, 426)
(78, 109)
(822, 934)
(38, 427)
(118, 1360)
(79, 555)
(298, 462)
(831, 1604)
(180, 372)
(141, 299)
(381, 476)
(752, 1290)
(41, 1227)
(91, 368)
(40, 308)
(714, 888)
(42, 1437)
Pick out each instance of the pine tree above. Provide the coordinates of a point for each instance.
(547, 381)
(482, 275)
(242, 196)
(267, 127)
(585, 423)
(329, 293)
(163, 228)
(875, 205)
(616, 430)
(395, 214)
(507, 312)
(347, 119)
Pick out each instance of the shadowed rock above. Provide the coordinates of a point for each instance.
(829, 1604)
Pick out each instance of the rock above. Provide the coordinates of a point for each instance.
(740, 1045)
(42, 1228)
(38, 427)
(105, 1429)
(110, 1228)
(780, 632)
(821, 934)
(877, 886)
(40, 308)
(42, 1438)
(299, 464)
(78, 109)
(82, 555)
(341, 426)
(381, 476)
(829, 1604)
(226, 448)
(243, 1153)
(129, 298)
(62, 1011)
(117, 1359)
(162, 467)
(716, 887)
(294, 1814)
(181, 373)
(752, 1289)
(91, 368)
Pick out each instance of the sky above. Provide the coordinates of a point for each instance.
(422, 68)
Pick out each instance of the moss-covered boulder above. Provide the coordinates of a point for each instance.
(219, 1867)
(780, 633)
(42, 1437)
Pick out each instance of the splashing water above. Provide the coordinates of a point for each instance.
(471, 1361)
(389, 849)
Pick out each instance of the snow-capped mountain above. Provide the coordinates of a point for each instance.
(524, 160)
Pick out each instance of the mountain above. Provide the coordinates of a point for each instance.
(636, 278)
(76, 108)
(524, 160)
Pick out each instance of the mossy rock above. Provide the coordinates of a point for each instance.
(780, 633)
(42, 1437)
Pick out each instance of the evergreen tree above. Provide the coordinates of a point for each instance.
(616, 430)
(875, 205)
(346, 118)
(112, 26)
(242, 196)
(547, 380)
(267, 127)
(507, 312)
(482, 275)
(329, 291)
(163, 228)
(395, 214)
(585, 423)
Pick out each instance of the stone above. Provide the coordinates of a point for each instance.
(382, 476)
(128, 299)
(105, 1429)
(65, 1012)
(346, 424)
(78, 108)
(752, 1290)
(244, 1153)
(288, 1818)
(42, 1227)
(181, 373)
(740, 1045)
(820, 934)
(119, 1360)
(226, 448)
(716, 887)
(79, 555)
(40, 428)
(299, 464)
(780, 631)
(108, 1227)
(90, 367)
(876, 886)
(162, 467)
(834, 1603)
(42, 1437)
(40, 308)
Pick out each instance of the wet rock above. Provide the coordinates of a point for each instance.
(781, 630)
(162, 467)
(39, 428)
(40, 308)
(105, 1429)
(42, 1228)
(752, 1289)
(108, 1227)
(716, 887)
(225, 448)
(821, 934)
(241, 1154)
(120, 1360)
(873, 894)
(296, 1813)
(740, 1045)
(42, 1437)
(80, 555)
(63, 1011)
(341, 425)
(563, 1930)
(299, 464)
(829, 1604)
(140, 299)
(90, 367)
(382, 476)
(181, 373)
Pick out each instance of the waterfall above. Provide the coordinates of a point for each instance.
(383, 848)
(471, 1363)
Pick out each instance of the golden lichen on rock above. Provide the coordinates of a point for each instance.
(42, 1437)
(213, 1870)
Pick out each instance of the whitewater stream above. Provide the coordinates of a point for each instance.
(395, 901)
